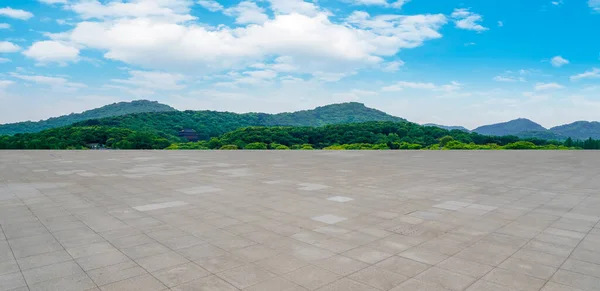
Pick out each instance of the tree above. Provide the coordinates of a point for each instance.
(569, 142)
(256, 146)
(444, 140)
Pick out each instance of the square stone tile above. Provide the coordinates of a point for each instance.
(528, 268)
(340, 199)
(447, 279)
(277, 284)
(341, 265)
(403, 266)
(45, 273)
(246, 276)
(471, 269)
(378, 278)
(143, 282)
(423, 256)
(367, 255)
(173, 276)
(115, 273)
(210, 283)
(12, 281)
(73, 282)
(281, 264)
(345, 284)
(417, 285)
(514, 280)
(161, 261)
(329, 218)
(312, 277)
(216, 264)
(576, 280)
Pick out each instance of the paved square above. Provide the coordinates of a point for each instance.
(300, 220)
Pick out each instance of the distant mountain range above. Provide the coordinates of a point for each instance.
(447, 127)
(163, 119)
(115, 109)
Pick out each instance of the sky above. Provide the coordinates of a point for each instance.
(451, 62)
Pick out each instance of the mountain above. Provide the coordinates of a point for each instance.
(213, 123)
(513, 127)
(579, 130)
(448, 127)
(115, 109)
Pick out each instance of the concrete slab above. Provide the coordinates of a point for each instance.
(231, 220)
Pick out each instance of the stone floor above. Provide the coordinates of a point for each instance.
(299, 220)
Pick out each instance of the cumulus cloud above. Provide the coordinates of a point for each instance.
(593, 73)
(595, 5)
(4, 26)
(168, 10)
(211, 5)
(56, 83)
(305, 34)
(53, 1)
(559, 61)
(394, 4)
(392, 66)
(465, 19)
(8, 47)
(15, 13)
(247, 12)
(399, 86)
(504, 79)
(153, 80)
(548, 86)
(5, 83)
(50, 51)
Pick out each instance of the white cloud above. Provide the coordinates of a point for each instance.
(392, 66)
(594, 73)
(4, 26)
(295, 6)
(500, 24)
(168, 10)
(4, 60)
(15, 13)
(465, 19)
(331, 77)
(56, 83)
(162, 44)
(548, 86)
(557, 3)
(595, 5)
(352, 95)
(211, 5)
(394, 4)
(5, 83)
(50, 51)
(247, 12)
(53, 1)
(504, 79)
(558, 61)
(451, 87)
(153, 80)
(8, 47)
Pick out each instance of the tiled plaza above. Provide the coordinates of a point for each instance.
(300, 220)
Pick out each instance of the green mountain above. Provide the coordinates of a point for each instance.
(115, 109)
(213, 123)
(578, 130)
(448, 127)
(513, 127)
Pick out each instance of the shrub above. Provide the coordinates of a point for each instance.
(229, 147)
(256, 146)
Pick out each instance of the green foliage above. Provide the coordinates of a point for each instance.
(256, 146)
(115, 109)
(445, 139)
(210, 124)
(83, 137)
(229, 147)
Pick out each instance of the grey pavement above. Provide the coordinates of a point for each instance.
(300, 220)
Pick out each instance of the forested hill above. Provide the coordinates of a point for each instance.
(115, 109)
(513, 127)
(213, 123)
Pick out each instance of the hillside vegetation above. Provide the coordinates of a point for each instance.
(213, 123)
(367, 135)
(115, 109)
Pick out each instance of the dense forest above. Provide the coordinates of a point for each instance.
(366, 135)
(115, 109)
(213, 123)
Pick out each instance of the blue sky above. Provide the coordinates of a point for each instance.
(453, 62)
